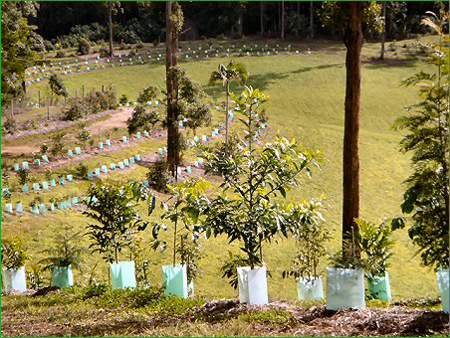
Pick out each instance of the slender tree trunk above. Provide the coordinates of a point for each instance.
(311, 20)
(240, 23)
(383, 33)
(282, 20)
(226, 115)
(353, 39)
(12, 110)
(172, 92)
(261, 9)
(110, 24)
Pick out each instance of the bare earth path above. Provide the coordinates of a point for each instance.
(117, 119)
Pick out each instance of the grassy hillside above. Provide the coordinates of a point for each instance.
(306, 102)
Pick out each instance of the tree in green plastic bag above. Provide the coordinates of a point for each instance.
(65, 254)
(307, 227)
(184, 218)
(253, 176)
(113, 205)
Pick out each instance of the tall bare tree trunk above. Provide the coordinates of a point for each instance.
(383, 33)
(311, 20)
(353, 38)
(240, 23)
(172, 92)
(282, 20)
(110, 24)
(261, 11)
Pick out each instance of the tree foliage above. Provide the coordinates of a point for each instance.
(14, 254)
(18, 46)
(245, 208)
(427, 138)
(307, 226)
(113, 206)
(142, 119)
(65, 252)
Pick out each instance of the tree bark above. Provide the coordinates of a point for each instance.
(282, 20)
(261, 9)
(110, 24)
(353, 38)
(311, 20)
(383, 33)
(172, 92)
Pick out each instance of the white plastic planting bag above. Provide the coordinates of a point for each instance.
(310, 289)
(123, 275)
(443, 277)
(253, 285)
(345, 289)
(14, 280)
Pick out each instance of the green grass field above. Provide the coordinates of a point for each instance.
(306, 102)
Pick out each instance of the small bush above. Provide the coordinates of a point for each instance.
(24, 176)
(60, 54)
(82, 170)
(159, 176)
(139, 45)
(148, 94)
(10, 126)
(58, 143)
(84, 46)
(44, 148)
(123, 100)
(104, 53)
(142, 119)
(76, 111)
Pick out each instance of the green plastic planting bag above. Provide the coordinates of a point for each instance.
(345, 289)
(310, 290)
(443, 282)
(379, 287)
(62, 276)
(123, 275)
(175, 280)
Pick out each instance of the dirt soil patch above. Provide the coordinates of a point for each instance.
(220, 314)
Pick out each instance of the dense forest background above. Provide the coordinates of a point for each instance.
(145, 22)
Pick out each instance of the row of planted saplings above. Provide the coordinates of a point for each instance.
(345, 279)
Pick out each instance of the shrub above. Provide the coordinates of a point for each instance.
(159, 177)
(84, 46)
(139, 45)
(82, 170)
(147, 94)
(14, 254)
(10, 126)
(76, 111)
(58, 143)
(60, 54)
(123, 100)
(24, 175)
(35, 276)
(142, 119)
(113, 206)
(65, 252)
(104, 53)
(84, 135)
(97, 101)
(44, 148)
(95, 291)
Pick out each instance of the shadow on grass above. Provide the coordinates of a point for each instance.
(260, 81)
(308, 69)
(376, 63)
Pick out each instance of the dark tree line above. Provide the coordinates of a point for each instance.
(139, 21)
